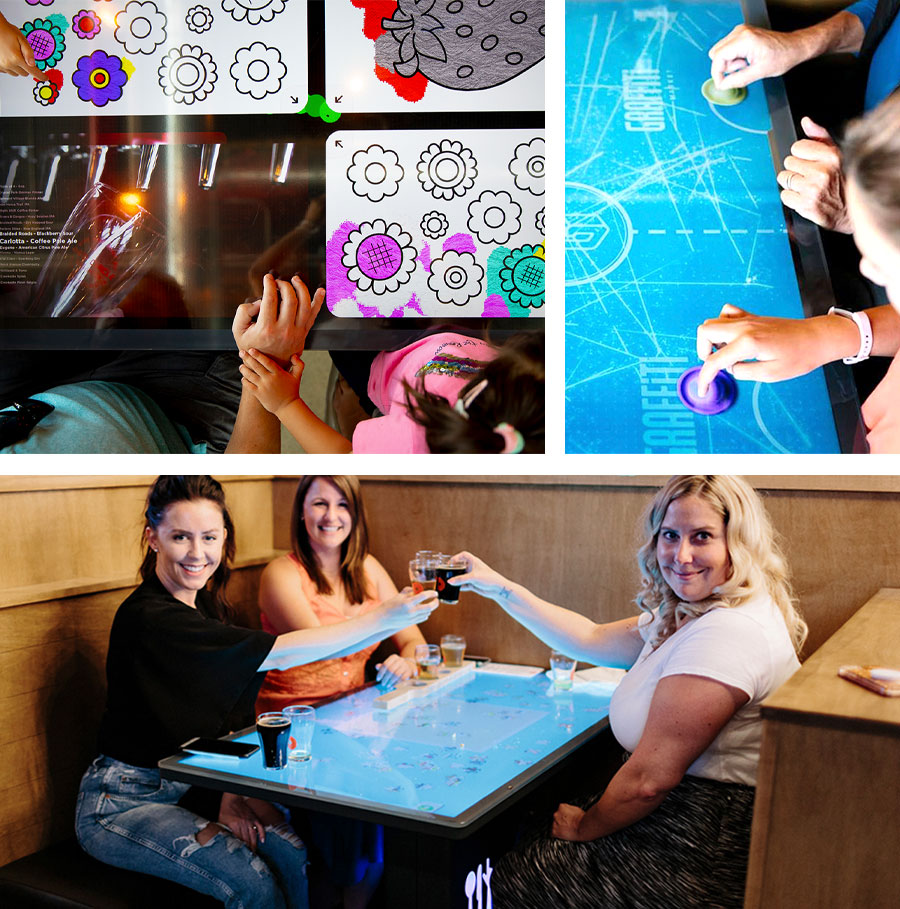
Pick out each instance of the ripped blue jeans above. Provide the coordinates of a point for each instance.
(127, 816)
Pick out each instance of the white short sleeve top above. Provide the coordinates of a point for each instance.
(746, 646)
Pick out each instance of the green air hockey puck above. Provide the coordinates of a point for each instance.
(723, 96)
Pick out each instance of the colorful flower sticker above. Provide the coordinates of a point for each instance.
(447, 169)
(140, 27)
(187, 74)
(86, 24)
(39, 2)
(379, 256)
(254, 11)
(257, 70)
(456, 277)
(375, 172)
(522, 276)
(494, 217)
(434, 224)
(45, 92)
(528, 166)
(99, 78)
(47, 42)
(199, 19)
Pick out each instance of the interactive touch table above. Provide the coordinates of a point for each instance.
(672, 210)
(442, 774)
(209, 123)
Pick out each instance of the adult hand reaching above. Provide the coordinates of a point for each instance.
(481, 578)
(278, 323)
(408, 608)
(769, 349)
(16, 55)
(747, 54)
(813, 179)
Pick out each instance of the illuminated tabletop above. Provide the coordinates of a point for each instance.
(445, 763)
(672, 210)
(447, 775)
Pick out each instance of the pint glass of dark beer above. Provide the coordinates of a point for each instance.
(274, 730)
(448, 568)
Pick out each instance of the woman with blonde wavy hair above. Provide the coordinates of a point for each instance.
(717, 632)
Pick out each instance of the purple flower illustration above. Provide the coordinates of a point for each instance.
(99, 78)
(39, 2)
(86, 24)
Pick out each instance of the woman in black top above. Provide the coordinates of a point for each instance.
(177, 668)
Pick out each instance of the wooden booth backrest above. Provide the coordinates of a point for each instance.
(70, 551)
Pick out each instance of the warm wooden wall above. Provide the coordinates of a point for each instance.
(70, 556)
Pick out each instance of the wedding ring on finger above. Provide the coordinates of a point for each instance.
(790, 180)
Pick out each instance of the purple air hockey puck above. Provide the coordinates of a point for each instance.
(721, 395)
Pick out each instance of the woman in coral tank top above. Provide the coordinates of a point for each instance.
(330, 578)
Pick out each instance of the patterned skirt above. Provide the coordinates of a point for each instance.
(691, 851)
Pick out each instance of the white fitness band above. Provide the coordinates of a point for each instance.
(865, 333)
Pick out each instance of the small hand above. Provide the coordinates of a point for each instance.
(813, 179)
(16, 55)
(395, 669)
(279, 322)
(273, 386)
(761, 348)
(747, 54)
(566, 821)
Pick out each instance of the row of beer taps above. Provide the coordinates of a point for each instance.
(96, 155)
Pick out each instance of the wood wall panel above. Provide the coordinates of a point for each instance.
(52, 692)
(63, 541)
(827, 835)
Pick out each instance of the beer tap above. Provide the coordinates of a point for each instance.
(49, 170)
(18, 153)
(209, 157)
(149, 154)
(282, 152)
(96, 164)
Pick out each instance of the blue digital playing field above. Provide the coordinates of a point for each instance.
(438, 755)
(672, 210)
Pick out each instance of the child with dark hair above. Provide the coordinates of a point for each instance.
(445, 393)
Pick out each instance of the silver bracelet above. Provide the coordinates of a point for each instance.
(866, 338)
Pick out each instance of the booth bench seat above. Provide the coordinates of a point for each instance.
(64, 877)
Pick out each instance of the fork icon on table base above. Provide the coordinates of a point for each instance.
(478, 884)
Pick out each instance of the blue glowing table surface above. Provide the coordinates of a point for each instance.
(672, 210)
(446, 759)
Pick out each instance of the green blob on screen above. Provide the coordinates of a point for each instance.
(316, 106)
